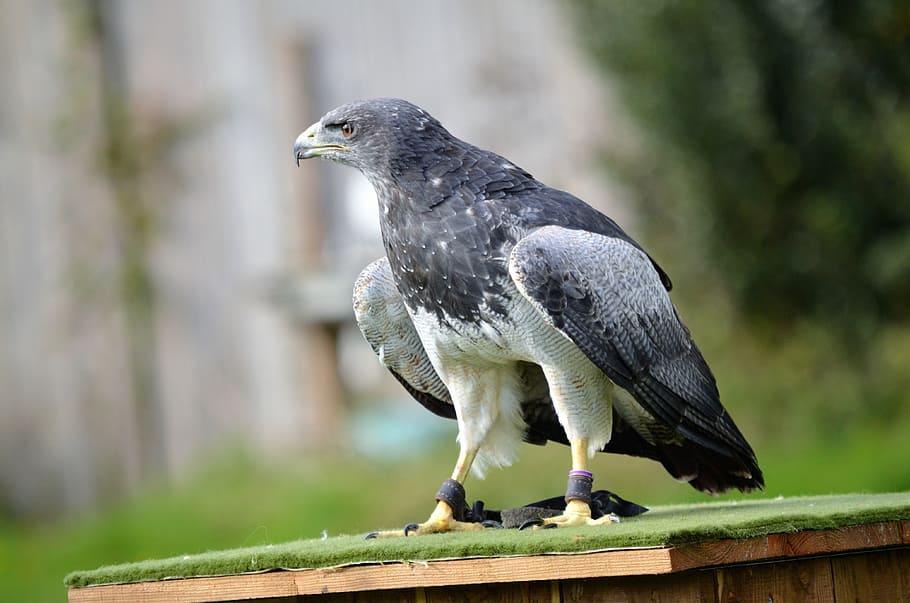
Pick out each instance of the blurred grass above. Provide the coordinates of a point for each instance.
(820, 423)
(236, 501)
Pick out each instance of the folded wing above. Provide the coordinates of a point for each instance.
(606, 296)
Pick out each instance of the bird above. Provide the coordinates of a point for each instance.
(524, 314)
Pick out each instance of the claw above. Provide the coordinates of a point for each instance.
(577, 513)
(371, 535)
(530, 523)
(411, 527)
(490, 523)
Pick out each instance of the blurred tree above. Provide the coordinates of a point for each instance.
(777, 137)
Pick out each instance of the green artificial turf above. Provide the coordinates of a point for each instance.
(661, 526)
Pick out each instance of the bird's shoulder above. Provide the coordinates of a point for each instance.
(520, 200)
(546, 206)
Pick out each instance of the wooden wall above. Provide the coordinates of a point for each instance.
(169, 281)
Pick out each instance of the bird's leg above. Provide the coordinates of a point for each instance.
(450, 501)
(450, 505)
(488, 411)
(578, 494)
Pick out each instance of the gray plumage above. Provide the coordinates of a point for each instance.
(515, 307)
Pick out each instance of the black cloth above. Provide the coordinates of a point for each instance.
(603, 502)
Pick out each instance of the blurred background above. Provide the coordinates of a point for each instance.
(179, 368)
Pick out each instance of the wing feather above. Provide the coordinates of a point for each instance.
(605, 295)
(387, 327)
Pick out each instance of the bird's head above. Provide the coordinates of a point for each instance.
(369, 134)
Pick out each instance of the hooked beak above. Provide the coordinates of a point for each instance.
(311, 143)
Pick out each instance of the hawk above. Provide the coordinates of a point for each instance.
(524, 314)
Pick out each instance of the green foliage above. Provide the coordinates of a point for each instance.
(777, 142)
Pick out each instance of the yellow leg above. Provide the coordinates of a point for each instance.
(442, 519)
(579, 454)
(463, 465)
(578, 512)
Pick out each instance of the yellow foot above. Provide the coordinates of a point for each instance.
(442, 520)
(428, 527)
(577, 513)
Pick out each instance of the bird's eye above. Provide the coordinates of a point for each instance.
(347, 130)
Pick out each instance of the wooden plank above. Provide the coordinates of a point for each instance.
(486, 570)
(334, 598)
(684, 587)
(229, 588)
(402, 595)
(796, 544)
(522, 592)
(854, 538)
(721, 552)
(874, 576)
(385, 576)
(807, 580)
(602, 564)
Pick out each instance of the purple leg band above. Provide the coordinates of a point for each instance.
(579, 486)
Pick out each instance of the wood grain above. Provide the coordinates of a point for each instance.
(620, 562)
(808, 580)
(401, 595)
(358, 578)
(796, 544)
(528, 592)
(228, 588)
(875, 576)
(684, 587)
(534, 577)
(854, 538)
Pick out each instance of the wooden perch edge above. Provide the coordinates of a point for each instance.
(650, 561)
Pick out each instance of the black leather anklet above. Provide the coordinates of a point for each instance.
(452, 493)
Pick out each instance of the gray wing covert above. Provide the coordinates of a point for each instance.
(387, 327)
(605, 295)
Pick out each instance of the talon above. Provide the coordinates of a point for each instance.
(530, 523)
(490, 523)
(371, 535)
(411, 527)
(443, 519)
(577, 513)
